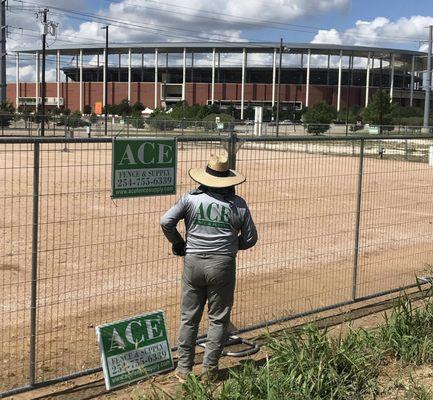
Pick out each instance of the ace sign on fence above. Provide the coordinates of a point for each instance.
(143, 167)
(134, 348)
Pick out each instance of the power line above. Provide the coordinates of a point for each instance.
(269, 24)
(167, 31)
(242, 19)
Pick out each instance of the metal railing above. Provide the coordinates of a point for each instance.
(340, 220)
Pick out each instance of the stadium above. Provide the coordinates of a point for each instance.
(238, 74)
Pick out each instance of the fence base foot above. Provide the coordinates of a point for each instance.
(252, 348)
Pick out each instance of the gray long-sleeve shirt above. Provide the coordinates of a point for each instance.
(215, 223)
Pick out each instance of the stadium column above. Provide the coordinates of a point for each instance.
(244, 61)
(367, 82)
(58, 78)
(391, 88)
(340, 67)
(129, 74)
(17, 87)
(97, 67)
(274, 76)
(219, 67)
(81, 80)
(37, 82)
(213, 77)
(156, 79)
(184, 75)
(328, 69)
(307, 89)
(412, 80)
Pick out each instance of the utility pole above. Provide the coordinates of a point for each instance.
(106, 80)
(44, 86)
(429, 82)
(3, 28)
(277, 117)
(48, 27)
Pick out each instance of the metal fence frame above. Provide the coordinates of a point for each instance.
(232, 144)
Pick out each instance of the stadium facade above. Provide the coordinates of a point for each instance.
(337, 74)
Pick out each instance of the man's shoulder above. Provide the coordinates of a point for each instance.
(240, 201)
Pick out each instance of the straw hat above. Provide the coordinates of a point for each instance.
(217, 173)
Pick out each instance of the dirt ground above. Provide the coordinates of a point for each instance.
(100, 260)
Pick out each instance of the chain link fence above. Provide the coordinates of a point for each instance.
(339, 220)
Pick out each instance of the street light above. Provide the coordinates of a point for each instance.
(277, 118)
(106, 79)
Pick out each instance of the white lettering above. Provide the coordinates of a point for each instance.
(153, 331)
(128, 155)
(128, 334)
(116, 341)
(163, 154)
(140, 153)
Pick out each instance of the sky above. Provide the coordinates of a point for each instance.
(386, 23)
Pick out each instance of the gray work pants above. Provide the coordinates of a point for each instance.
(208, 277)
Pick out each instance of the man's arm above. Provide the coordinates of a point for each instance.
(248, 237)
(170, 220)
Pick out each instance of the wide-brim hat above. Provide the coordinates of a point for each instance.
(217, 173)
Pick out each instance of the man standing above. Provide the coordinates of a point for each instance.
(218, 224)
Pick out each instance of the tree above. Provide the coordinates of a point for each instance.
(6, 114)
(319, 116)
(137, 108)
(87, 109)
(124, 108)
(249, 112)
(379, 109)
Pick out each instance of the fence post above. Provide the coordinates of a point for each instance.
(232, 150)
(358, 221)
(34, 281)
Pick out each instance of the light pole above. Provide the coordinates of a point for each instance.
(277, 117)
(106, 80)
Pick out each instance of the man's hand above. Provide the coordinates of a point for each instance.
(179, 248)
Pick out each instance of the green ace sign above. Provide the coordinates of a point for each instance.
(134, 348)
(143, 167)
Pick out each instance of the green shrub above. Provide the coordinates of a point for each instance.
(87, 109)
(162, 122)
(137, 121)
(226, 119)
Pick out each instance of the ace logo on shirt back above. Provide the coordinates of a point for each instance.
(213, 214)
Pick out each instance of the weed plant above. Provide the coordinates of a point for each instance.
(310, 364)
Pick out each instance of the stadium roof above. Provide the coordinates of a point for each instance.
(230, 47)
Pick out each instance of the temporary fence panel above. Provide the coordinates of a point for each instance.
(338, 220)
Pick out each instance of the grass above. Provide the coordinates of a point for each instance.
(310, 364)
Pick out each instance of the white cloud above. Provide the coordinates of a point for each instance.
(404, 32)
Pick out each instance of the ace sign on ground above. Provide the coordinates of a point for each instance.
(134, 348)
(143, 167)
